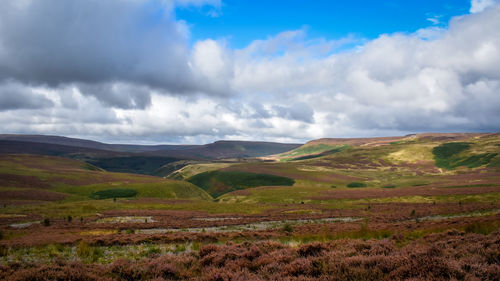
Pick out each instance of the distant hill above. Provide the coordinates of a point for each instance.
(142, 159)
(234, 149)
(28, 147)
(82, 143)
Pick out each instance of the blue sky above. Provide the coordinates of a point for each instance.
(242, 21)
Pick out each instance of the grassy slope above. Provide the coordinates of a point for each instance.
(402, 164)
(311, 151)
(194, 169)
(455, 154)
(220, 182)
(80, 179)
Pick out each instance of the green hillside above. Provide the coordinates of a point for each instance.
(392, 167)
(311, 151)
(217, 183)
(455, 154)
(21, 175)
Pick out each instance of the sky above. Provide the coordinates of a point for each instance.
(197, 71)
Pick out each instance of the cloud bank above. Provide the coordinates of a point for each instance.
(124, 70)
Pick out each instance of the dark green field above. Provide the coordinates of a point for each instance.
(217, 183)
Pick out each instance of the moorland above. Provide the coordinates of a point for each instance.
(415, 207)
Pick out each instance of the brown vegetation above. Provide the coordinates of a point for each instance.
(453, 255)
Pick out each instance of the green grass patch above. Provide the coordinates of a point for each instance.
(389, 186)
(164, 189)
(356, 184)
(477, 160)
(217, 183)
(450, 156)
(447, 150)
(114, 193)
(495, 162)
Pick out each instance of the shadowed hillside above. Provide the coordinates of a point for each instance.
(25, 178)
(141, 159)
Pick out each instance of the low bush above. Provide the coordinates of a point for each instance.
(88, 253)
(482, 227)
(4, 250)
(356, 184)
(114, 193)
(287, 228)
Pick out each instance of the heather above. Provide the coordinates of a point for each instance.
(450, 255)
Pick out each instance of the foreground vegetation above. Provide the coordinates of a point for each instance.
(450, 255)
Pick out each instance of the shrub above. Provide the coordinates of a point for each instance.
(481, 227)
(46, 222)
(313, 249)
(4, 250)
(355, 184)
(86, 252)
(83, 250)
(113, 193)
(287, 228)
(389, 186)
(70, 218)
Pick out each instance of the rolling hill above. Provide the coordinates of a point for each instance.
(142, 159)
(216, 150)
(27, 179)
(398, 163)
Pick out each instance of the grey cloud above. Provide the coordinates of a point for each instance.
(260, 111)
(298, 111)
(54, 43)
(121, 95)
(16, 96)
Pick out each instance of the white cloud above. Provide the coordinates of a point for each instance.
(213, 65)
(479, 5)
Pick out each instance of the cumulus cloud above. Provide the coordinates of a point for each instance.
(212, 64)
(102, 44)
(479, 5)
(283, 88)
(397, 82)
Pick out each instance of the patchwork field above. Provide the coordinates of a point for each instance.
(419, 207)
